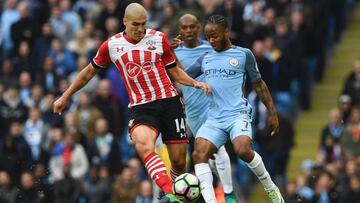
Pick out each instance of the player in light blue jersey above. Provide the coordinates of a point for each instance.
(229, 118)
(190, 52)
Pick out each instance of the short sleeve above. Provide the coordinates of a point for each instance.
(251, 66)
(102, 58)
(168, 56)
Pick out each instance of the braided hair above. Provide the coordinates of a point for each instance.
(218, 20)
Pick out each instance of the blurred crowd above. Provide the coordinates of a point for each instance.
(86, 155)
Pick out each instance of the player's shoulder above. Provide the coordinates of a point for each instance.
(241, 49)
(152, 32)
(116, 36)
(247, 52)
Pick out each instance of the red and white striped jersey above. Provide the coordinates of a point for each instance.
(142, 65)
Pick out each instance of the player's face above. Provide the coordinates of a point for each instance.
(135, 26)
(189, 30)
(216, 36)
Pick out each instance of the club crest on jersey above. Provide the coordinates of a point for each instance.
(151, 45)
(234, 62)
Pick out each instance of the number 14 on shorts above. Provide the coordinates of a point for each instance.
(180, 126)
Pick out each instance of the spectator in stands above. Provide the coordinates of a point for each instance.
(64, 60)
(48, 116)
(22, 147)
(35, 100)
(350, 140)
(330, 151)
(351, 169)
(42, 184)
(8, 17)
(25, 29)
(7, 75)
(111, 26)
(112, 8)
(48, 77)
(92, 85)
(72, 126)
(70, 16)
(145, 192)
(41, 48)
(12, 109)
(264, 64)
(290, 191)
(233, 11)
(267, 26)
(125, 187)
(68, 188)
(83, 8)
(28, 192)
(94, 189)
(104, 148)
(324, 189)
(344, 103)
(87, 114)
(35, 130)
(24, 86)
(11, 160)
(55, 136)
(63, 29)
(352, 84)
(68, 160)
(137, 168)
(7, 190)
(334, 128)
(81, 44)
(353, 193)
(23, 61)
(110, 107)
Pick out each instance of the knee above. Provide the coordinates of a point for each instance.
(200, 156)
(179, 164)
(244, 151)
(143, 149)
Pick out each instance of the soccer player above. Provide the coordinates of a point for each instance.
(142, 57)
(229, 117)
(192, 50)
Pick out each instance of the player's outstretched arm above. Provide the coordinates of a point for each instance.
(80, 81)
(263, 93)
(179, 75)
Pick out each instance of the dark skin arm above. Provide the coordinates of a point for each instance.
(263, 93)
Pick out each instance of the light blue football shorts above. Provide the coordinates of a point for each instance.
(219, 132)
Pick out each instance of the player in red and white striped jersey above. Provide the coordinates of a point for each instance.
(142, 57)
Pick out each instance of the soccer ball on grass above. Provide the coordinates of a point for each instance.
(187, 187)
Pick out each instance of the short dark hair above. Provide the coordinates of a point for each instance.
(218, 20)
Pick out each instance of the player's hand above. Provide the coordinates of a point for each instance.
(273, 124)
(59, 105)
(203, 86)
(176, 42)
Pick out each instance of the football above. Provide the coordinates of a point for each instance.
(187, 187)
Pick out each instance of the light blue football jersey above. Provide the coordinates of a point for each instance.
(196, 101)
(226, 73)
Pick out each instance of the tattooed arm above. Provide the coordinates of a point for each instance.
(263, 93)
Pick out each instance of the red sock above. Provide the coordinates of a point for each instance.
(157, 171)
(174, 173)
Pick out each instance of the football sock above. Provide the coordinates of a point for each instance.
(157, 171)
(223, 167)
(174, 173)
(204, 174)
(258, 168)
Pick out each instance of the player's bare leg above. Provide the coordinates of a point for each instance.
(144, 138)
(242, 146)
(201, 154)
(177, 156)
